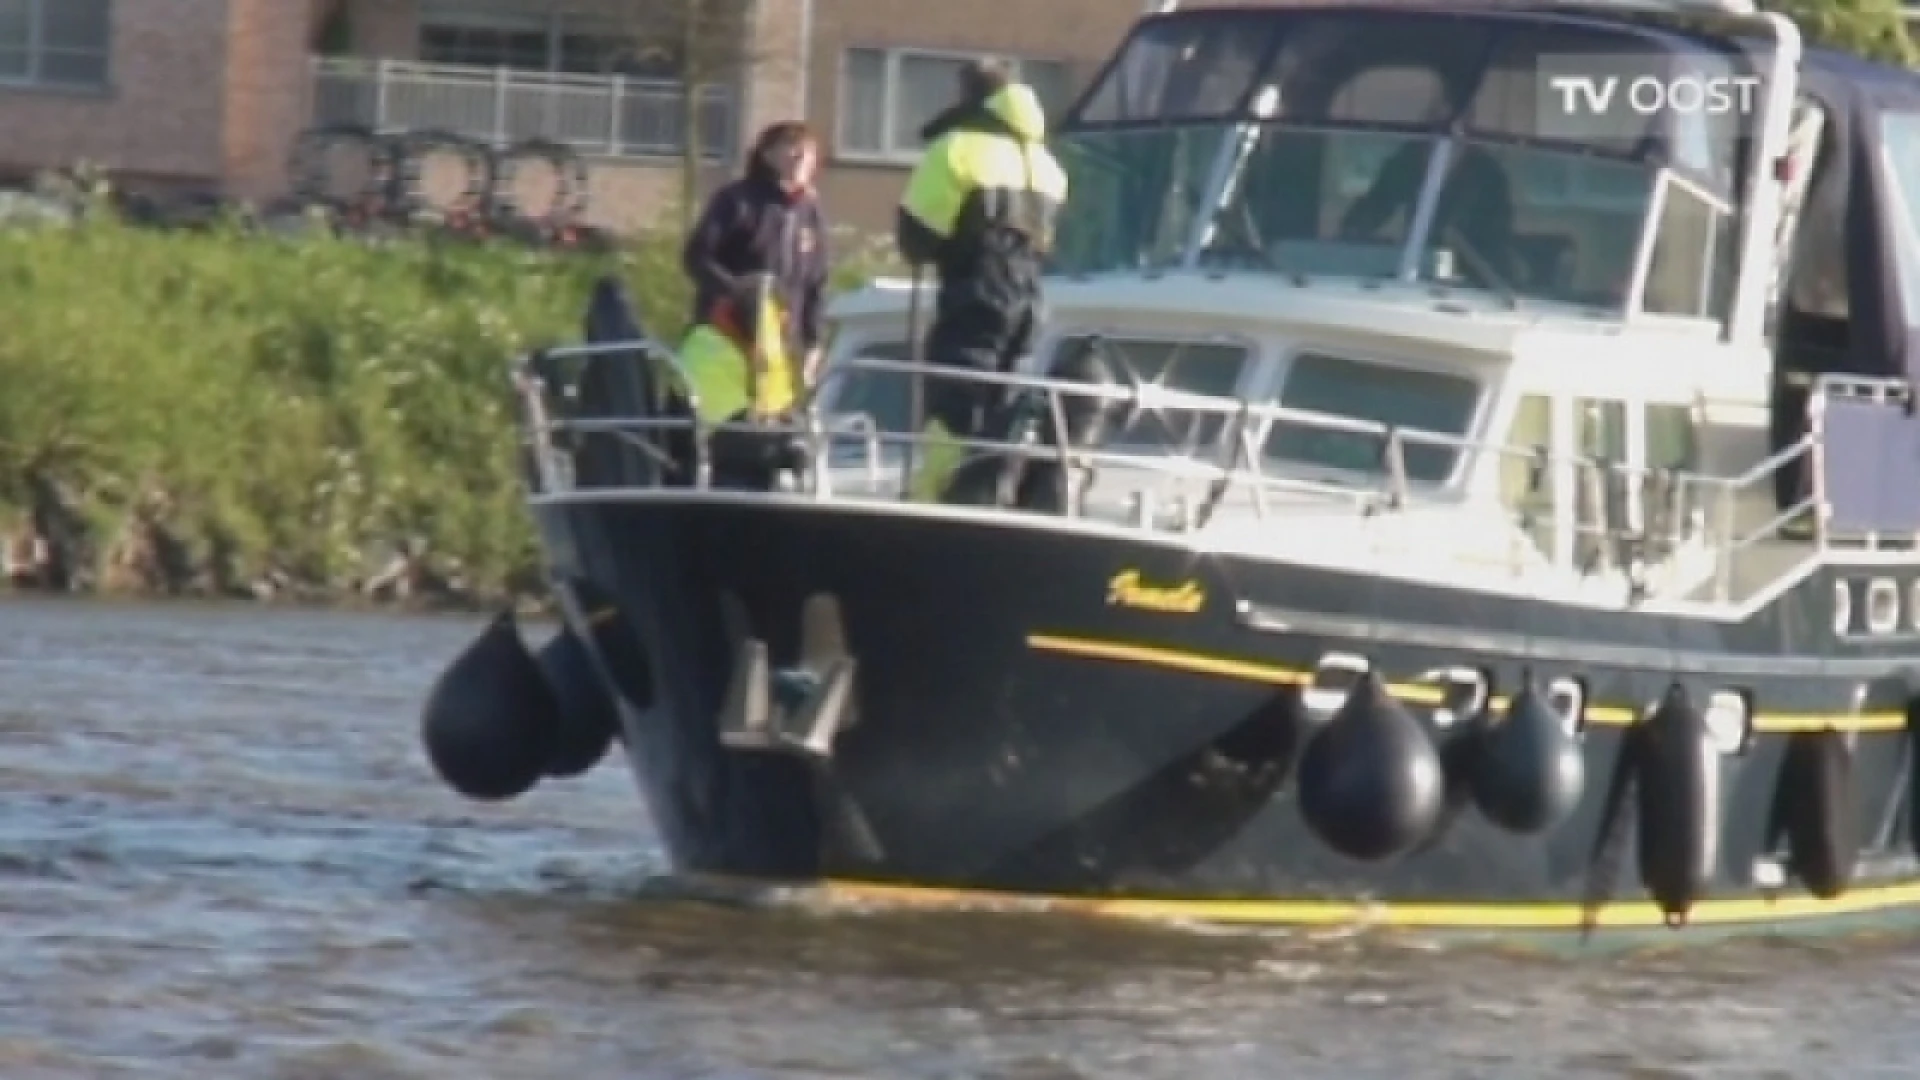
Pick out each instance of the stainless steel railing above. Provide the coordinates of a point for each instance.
(1602, 513)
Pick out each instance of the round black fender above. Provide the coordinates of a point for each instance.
(1814, 808)
(489, 723)
(1460, 721)
(1677, 776)
(1370, 780)
(1529, 772)
(1459, 749)
(585, 718)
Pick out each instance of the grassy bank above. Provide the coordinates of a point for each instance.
(217, 413)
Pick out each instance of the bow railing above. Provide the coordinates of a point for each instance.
(1587, 513)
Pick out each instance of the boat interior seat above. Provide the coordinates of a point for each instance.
(1545, 260)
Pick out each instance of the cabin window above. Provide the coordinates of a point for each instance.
(1538, 223)
(1189, 68)
(1599, 491)
(1672, 439)
(1416, 399)
(1340, 68)
(1603, 429)
(1136, 195)
(1819, 278)
(886, 396)
(1196, 367)
(1900, 149)
(1691, 269)
(1530, 433)
(1322, 202)
(1526, 473)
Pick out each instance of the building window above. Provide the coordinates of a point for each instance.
(60, 43)
(551, 42)
(484, 46)
(887, 95)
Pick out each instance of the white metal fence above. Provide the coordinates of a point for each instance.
(610, 115)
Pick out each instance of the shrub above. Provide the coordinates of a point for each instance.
(215, 408)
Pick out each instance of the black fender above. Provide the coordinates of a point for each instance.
(1814, 811)
(1676, 768)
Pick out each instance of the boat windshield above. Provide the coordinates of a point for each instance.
(1134, 196)
(1375, 145)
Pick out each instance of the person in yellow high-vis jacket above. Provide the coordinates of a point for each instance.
(740, 374)
(980, 206)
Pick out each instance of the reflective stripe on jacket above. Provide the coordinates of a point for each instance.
(987, 175)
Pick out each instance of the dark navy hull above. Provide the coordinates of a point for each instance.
(1022, 727)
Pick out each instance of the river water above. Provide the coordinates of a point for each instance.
(222, 854)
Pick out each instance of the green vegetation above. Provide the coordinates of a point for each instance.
(221, 412)
(1874, 28)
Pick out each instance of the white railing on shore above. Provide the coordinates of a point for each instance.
(610, 115)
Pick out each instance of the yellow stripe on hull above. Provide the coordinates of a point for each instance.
(1277, 675)
(1415, 915)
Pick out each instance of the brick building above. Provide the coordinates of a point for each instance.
(212, 93)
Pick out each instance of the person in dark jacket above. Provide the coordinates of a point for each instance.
(980, 207)
(767, 222)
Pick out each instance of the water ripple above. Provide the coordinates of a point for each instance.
(222, 854)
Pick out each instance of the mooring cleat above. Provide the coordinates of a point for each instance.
(793, 710)
(810, 725)
(747, 715)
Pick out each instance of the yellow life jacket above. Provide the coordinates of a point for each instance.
(722, 373)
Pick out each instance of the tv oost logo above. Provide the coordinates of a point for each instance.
(1648, 95)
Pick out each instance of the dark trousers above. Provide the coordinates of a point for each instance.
(988, 338)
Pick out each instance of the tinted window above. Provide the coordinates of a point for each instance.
(1198, 367)
(1816, 270)
(1540, 223)
(1411, 68)
(1136, 193)
(1180, 68)
(1819, 279)
(1900, 146)
(1429, 401)
(1694, 258)
(1345, 68)
(1321, 202)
